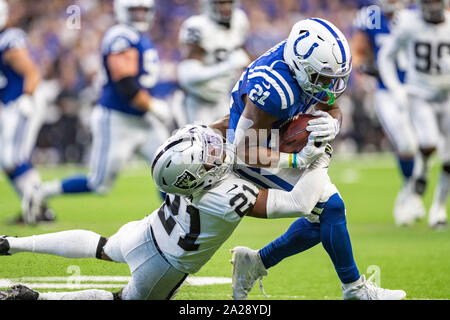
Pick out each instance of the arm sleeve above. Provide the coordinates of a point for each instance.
(192, 71)
(301, 200)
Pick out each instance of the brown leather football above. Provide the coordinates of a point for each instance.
(293, 134)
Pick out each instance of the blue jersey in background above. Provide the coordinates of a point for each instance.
(118, 39)
(11, 83)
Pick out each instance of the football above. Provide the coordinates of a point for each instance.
(293, 133)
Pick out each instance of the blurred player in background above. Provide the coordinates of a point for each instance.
(425, 35)
(126, 117)
(212, 44)
(373, 27)
(23, 108)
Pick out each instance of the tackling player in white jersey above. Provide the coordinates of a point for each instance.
(124, 120)
(426, 90)
(212, 45)
(373, 26)
(204, 204)
(22, 109)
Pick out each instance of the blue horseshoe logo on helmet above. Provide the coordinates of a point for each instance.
(310, 51)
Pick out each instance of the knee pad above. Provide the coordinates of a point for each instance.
(333, 210)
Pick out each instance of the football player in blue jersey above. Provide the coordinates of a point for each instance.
(127, 117)
(304, 74)
(22, 109)
(372, 28)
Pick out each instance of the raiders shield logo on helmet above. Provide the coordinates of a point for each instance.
(185, 181)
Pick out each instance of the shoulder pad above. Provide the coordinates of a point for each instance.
(269, 88)
(233, 199)
(13, 38)
(193, 29)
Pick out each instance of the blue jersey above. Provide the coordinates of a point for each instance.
(268, 83)
(11, 83)
(377, 33)
(118, 39)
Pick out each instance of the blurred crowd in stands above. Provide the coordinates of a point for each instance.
(67, 51)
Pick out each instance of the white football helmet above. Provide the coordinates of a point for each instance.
(433, 11)
(211, 7)
(124, 13)
(390, 6)
(319, 57)
(192, 160)
(4, 11)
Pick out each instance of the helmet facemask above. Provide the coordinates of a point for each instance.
(390, 7)
(141, 17)
(433, 11)
(323, 85)
(217, 158)
(221, 11)
(137, 13)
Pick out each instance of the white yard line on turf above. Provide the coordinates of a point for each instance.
(94, 282)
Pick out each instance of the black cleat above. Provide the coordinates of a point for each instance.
(4, 246)
(18, 292)
(46, 215)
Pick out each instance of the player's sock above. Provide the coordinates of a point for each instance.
(336, 240)
(300, 236)
(24, 176)
(406, 167)
(50, 189)
(92, 294)
(75, 184)
(442, 189)
(421, 170)
(68, 244)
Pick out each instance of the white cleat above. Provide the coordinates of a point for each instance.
(247, 269)
(408, 207)
(416, 206)
(32, 203)
(402, 215)
(367, 290)
(437, 217)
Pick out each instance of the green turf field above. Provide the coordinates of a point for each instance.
(414, 259)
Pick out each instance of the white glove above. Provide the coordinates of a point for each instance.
(323, 129)
(309, 153)
(160, 109)
(26, 104)
(238, 59)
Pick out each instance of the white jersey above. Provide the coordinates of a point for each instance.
(218, 42)
(189, 231)
(428, 49)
